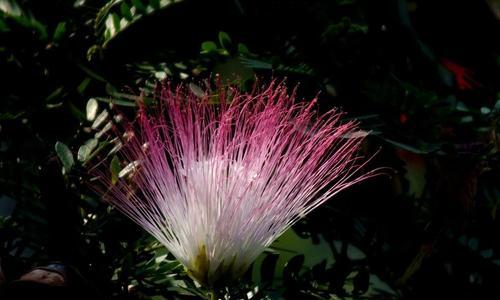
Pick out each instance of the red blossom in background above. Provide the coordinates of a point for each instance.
(463, 76)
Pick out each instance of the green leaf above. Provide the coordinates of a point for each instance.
(11, 10)
(155, 3)
(196, 90)
(10, 7)
(242, 49)
(208, 47)
(91, 109)
(65, 156)
(139, 6)
(125, 11)
(83, 85)
(11, 115)
(102, 14)
(86, 149)
(115, 169)
(118, 15)
(59, 31)
(224, 40)
(101, 118)
(57, 92)
(116, 26)
(117, 102)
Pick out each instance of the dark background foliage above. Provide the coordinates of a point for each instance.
(422, 76)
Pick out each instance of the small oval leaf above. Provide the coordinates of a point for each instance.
(91, 109)
(129, 169)
(86, 149)
(196, 90)
(103, 116)
(208, 46)
(65, 156)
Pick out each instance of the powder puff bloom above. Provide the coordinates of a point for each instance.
(218, 183)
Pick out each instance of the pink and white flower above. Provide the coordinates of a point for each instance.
(218, 183)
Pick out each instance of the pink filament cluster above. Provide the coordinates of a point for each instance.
(218, 183)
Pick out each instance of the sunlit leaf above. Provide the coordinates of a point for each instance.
(117, 101)
(101, 118)
(91, 109)
(86, 149)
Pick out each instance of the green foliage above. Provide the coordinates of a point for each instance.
(116, 16)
